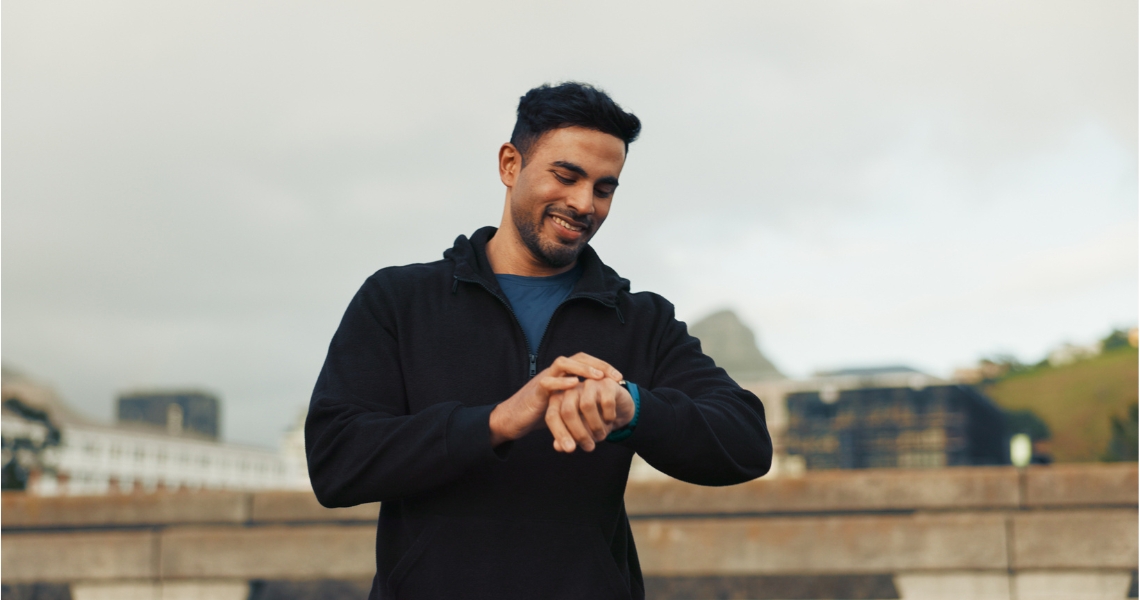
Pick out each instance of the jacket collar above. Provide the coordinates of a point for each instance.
(598, 281)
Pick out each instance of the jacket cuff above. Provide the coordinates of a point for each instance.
(469, 435)
(656, 421)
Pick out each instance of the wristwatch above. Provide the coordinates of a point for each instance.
(618, 435)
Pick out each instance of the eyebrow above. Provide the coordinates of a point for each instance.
(569, 166)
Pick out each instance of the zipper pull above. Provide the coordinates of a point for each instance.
(533, 365)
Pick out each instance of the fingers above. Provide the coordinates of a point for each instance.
(607, 401)
(589, 407)
(584, 365)
(573, 420)
(580, 413)
(557, 384)
(563, 366)
(565, 423)
(541, 388)
(598, 364)
(563, 441)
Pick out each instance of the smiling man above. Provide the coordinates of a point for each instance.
(492, 400)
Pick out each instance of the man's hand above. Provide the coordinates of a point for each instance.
(523, 412)
(587, 413)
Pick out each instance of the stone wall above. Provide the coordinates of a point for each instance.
(1065, 531)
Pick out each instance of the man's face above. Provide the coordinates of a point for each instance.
(562, 194)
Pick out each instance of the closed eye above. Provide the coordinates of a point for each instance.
(564, 180)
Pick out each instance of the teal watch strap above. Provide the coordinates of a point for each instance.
(618, 435)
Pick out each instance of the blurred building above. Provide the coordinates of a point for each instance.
(891, 417)
(137, 455)
(176, 411)
(293, 453)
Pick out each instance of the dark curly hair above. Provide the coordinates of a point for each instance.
(570, 104)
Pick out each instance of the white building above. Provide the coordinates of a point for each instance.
(96, 458)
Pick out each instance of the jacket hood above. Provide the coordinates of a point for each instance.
(598, 281)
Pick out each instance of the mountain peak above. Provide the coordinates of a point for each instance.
(730, 343)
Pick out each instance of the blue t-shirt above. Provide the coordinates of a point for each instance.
(534, 299)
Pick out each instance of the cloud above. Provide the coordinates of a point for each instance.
(193, 192)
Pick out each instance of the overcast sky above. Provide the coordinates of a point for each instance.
(193, 191)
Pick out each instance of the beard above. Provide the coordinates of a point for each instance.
(554, 253)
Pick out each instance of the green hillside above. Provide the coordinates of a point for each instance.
(1077, 401)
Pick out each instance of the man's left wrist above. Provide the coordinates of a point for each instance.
(626, 430)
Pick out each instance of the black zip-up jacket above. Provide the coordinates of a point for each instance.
(401, 413)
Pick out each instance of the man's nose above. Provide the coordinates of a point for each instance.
(582, 201)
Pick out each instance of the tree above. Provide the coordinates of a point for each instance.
(1123, 445)
(1026, 421)
(1117, 339)
(25, 452)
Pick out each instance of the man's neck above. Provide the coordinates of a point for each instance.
(508, 255)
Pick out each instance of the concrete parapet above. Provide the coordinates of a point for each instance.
(294, 507)
(1033, 585)
(835, 491)
(1072, 585)
(78, 555)
(1093, 539)
(163, 508)
(837, 544)
(955, 585)
(164, 590)
(1081, 485)
(272, 552)
(988, 532)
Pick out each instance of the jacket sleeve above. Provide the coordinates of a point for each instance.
(361, 442)
(695, 423)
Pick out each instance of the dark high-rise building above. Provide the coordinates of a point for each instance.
(936, 426)
(175, 411)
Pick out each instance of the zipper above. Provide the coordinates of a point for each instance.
(542, 338)
(532, 369)
(533, 358)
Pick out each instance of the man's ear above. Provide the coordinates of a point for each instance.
(510, 163)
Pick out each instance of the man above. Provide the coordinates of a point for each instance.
(492, 400)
